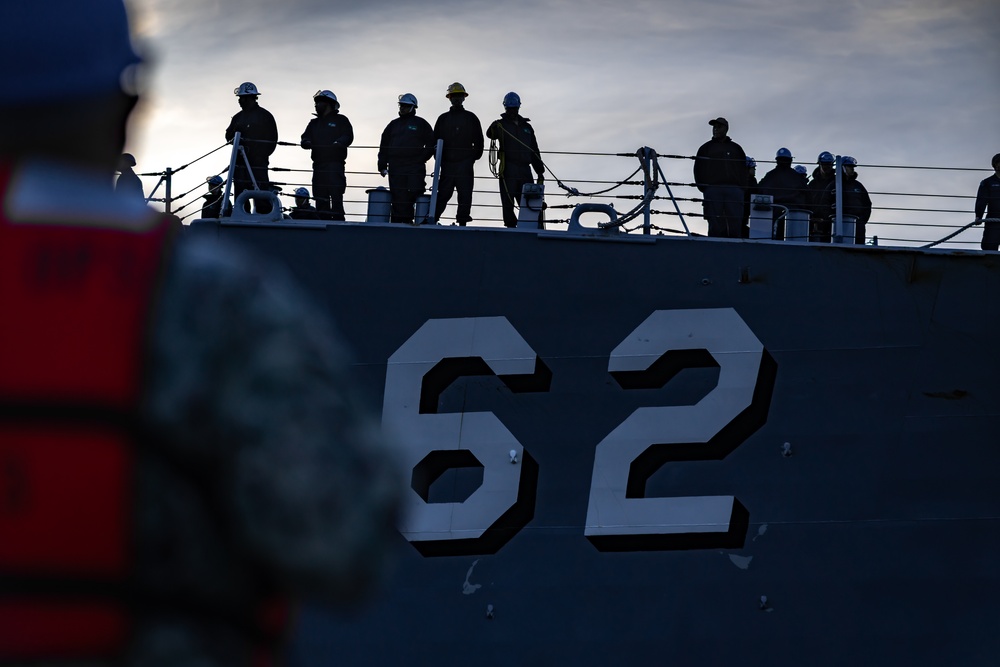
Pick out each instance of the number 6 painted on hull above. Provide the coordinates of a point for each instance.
(440, 351)
(619, 517)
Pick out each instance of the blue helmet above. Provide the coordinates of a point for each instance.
(751, 163)
(826, 157)
(783, 152)
(511, 100)
(802, 170)
(214, 181)
(847, 159)
(301, 192)
(73, 49)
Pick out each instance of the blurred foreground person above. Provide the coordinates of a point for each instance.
(179, 450)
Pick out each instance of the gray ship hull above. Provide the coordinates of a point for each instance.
(726, 452)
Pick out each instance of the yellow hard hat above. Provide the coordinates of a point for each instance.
(456, 88)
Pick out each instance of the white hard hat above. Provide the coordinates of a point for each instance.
(66, 48)
(247, 89)
(327, 95)
(408, 98)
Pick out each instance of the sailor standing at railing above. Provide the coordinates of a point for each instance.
(820, 223)
(517, 154)
(407, 143)
(720, 172)
(988, 203)
(328, 135)
(258, 138)
(463, 145)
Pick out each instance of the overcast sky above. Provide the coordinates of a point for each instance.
(891, 82)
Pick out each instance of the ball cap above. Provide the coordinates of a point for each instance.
(67, 48)
(719, 121)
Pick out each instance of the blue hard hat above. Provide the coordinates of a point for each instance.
(826, 157)
(802, 170)
(511, 99)
(66, 48)
(751, 162)
(301, 192)
(847, 159)
(214, 180)
(783, 152)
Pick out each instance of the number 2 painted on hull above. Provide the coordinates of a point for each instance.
(619, 516)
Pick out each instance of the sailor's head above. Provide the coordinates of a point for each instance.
(301, 196)
(247, 94)
(996, 162)
(720, 126)
(69, 50)
(826, 162)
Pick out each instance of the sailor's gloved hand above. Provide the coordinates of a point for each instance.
(306, 144)
(978, 221)
(383, 172)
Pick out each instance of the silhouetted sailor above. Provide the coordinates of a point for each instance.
(213, 208)
(406, 145)
(128, 184)
(820, 224)
(988, 206)
(854, 198)
(517, 154)
(720, 173)
(303, 210)
(258, 138)
(787, 187)
(463, 145)
(187, 451)
(328, 135)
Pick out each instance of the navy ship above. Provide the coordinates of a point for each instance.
(645, 449)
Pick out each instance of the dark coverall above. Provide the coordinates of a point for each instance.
(720, 172)
(788, 189)
(407, 144)
(328, 137)
(988, 202)
(820, 225)
(518, 154)
(855, 200)
(463, 145)
(258, 137)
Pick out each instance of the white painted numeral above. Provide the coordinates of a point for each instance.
(616, 521)
(482, 523)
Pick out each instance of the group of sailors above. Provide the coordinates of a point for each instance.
(723, 172)
(726, 177)
(406, 144)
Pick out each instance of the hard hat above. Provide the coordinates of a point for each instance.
(511, 100)
(301, 192)
(408, 98)
(66, 48)
(826, 157)
(847, 159)
(751, 163)
(214, 181)
(456, 89)
(127, 159)
(246, 89)
(802, 170)
(326, 94)
(783, 152)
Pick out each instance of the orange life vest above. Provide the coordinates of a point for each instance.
(74, 303)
